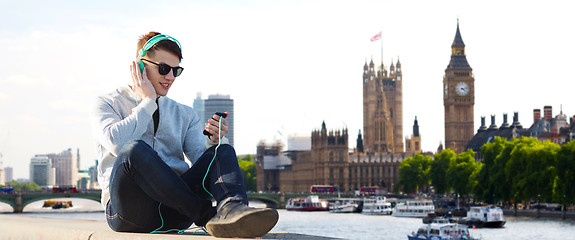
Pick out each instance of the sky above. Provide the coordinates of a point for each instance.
(288, 65)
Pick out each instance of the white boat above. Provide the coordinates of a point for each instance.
(343, 205)
(485, 216)
(413, 208)
(376, 206)
(441, 229)
(310, 203)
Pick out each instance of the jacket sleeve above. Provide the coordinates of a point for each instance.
(111, 130)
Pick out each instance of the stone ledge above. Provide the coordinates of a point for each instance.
(21, 227)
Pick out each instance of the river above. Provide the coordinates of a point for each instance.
(352, 226)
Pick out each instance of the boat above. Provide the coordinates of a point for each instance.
(430, 218)
(61, 205)
(485, 216)
(376, 206)
(310, 203)
(413, 208)
(441, 229)
(57, 204)
(343, 205)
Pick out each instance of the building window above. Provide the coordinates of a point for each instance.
(331, 156)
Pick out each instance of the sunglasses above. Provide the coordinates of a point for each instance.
(164, 69)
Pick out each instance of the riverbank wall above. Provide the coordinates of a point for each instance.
(532, 213)
(13, 226)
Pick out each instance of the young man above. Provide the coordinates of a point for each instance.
(142, 137)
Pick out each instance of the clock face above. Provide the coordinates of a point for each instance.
(462, 88)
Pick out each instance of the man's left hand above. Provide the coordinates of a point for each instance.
(212, 127)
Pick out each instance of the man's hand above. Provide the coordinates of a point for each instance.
(141, 85)
(212, 127)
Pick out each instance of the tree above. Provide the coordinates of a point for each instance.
(491, 182)
(460, 172)
(531, 168)
(248, 167)
(438, 171)
(18, 186)
(414, 173)
(563, 191)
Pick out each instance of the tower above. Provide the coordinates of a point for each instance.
(221, 103)
(413, 144)
(458, 97)
(382, 108)
(329, 153)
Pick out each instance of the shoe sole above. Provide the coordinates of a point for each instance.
(255, 224)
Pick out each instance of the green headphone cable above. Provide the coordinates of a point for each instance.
(181, 231)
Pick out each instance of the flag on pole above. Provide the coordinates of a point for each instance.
(376, 37)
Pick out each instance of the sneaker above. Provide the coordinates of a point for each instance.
(235, 219)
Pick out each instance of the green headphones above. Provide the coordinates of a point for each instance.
(150, 43)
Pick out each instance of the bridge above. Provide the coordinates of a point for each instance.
(20, 200)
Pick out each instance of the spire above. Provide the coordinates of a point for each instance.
(359, 142)
(458, 41)
(415, 128)
(458, 59)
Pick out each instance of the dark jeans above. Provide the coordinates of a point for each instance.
(140, 181)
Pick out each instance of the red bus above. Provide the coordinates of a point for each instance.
(323, 189)
(64, 189)
(368, 190)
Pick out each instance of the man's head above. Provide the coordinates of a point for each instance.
(161, 61)
(165, 44)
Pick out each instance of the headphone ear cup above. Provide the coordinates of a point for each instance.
(141, 64)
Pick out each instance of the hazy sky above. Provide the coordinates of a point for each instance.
(288, 65)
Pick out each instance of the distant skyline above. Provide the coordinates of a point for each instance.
(288, 65)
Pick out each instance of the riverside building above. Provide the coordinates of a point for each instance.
(559, 129)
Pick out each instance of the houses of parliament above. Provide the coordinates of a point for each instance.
(380, 145)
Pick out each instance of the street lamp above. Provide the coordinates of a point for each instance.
(538, 205)
(515, 202)
(564, 205)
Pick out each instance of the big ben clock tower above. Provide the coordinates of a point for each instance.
(458, 97)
